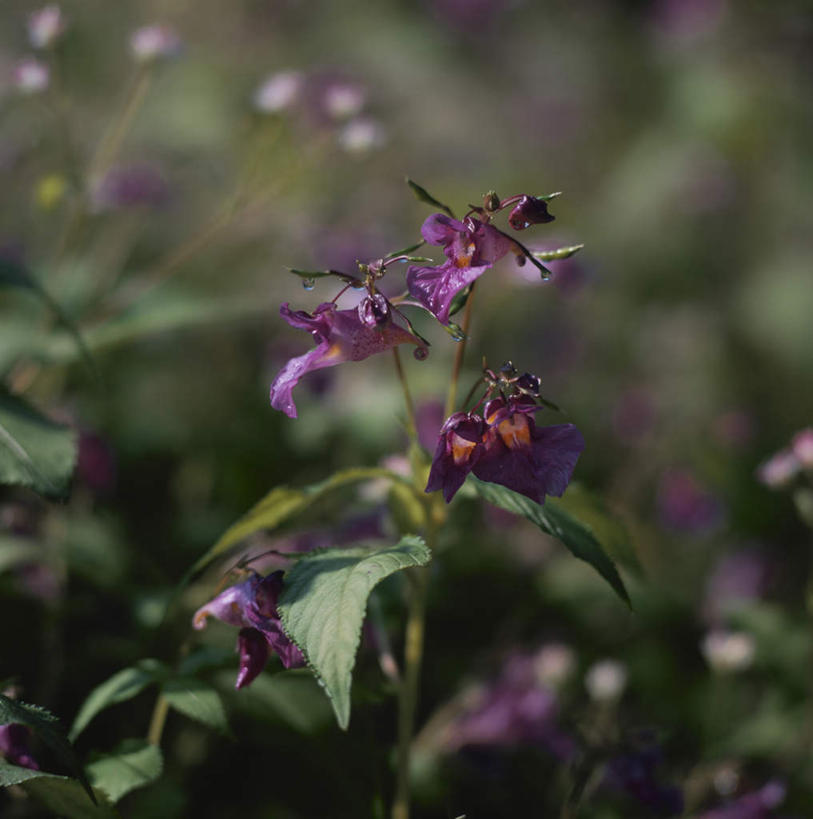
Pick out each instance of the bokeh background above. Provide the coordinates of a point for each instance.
(161, 202)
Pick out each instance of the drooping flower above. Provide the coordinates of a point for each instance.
(340, 335)
(459, 448)
(529, 211)
(252, 606)
(471, 248)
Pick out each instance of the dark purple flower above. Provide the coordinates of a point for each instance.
(340, 335)
(471, 247)
(14, 745)
(534, 461)
(529, 211)
(506, 448)
(459, 447)
(252, 606)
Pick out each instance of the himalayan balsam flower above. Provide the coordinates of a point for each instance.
(252, 607)
(505, 447)
(471, 248)
(14, 745)
(45, 26)
(340, 335)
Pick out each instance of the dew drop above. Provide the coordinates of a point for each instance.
(420, 353)
(308, 284)
(456, 332)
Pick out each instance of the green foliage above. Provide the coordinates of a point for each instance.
(555, 521)
(133, 764)
(61, 794)
(47, 727)
(197, 700)
(281, 504)
(423, 195)
(34, 451)
(323, 604)
(122, 686)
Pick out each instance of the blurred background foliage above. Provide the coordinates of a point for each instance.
(678, 340)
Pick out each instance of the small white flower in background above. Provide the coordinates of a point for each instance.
(30, 76)
(361, 135)
(278, 92)
(45, 26)
(802, 446)
(553, 664)
(343, 100)
(606, 680)
(728, 650)
(779, 470)
(152, 43)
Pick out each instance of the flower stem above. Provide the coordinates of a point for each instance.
(408, 694)
(412, 428)
(158, 720)
(451, 399)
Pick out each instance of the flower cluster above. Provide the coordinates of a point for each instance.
(504, 445)
(252, 607)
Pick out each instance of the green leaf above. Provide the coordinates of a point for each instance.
(61, 794)
(197, 700)
(122, 686)
(555, 521)
(459, 301)
(34, 451)
(323, 603)
(559, 253)
(132, 765)
(423, 195)
(47, 727)
(281, 504)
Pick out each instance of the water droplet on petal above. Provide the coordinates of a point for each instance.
(308, 284)
(456, 332)
(420, 353)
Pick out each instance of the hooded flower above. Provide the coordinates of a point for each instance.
(529, 211)
(340, 335)
(252, 606)
(14, 745)
(505, 448)
(471, 247)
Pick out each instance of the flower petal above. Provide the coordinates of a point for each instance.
(253, 649)
(436, 287)
(325, 355)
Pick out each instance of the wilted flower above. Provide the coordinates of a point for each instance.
(252, 606)
(361, 135)
(340, 335)
(728, 650)
(45, 26)
(606, 680)
(30, 76)
(779, 470)
(505, 447)
(278, 92)
(152, 43)
(14, 745)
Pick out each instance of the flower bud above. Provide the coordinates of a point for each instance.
(529, 211)
(528, 383)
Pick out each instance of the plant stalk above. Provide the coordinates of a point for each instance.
(451, 399)
(158, 720)
(411, 425)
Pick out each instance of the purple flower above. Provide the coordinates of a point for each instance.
(802, 446)
(471, 247)
(529, 211)
(152, 43)
(130, 186)
(505, 448)
(779, 470)
(45, 26)
(340, 335)
(685, 505)
(14, 745)
(30, 76)
(252, 606)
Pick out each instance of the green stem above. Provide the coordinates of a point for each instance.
(451, 399)
(158, 720)
(408, 694)
(412, 427)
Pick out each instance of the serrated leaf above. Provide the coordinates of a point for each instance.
(555, 521)
(281, 504)
(133, 764)
(197, 700)
(423, 195)
(323, 603)
(49, 730)
(122, 686)
(34, 451)
(61, 794)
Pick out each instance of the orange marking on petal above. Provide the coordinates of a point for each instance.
(515, 431)
(461, 449)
